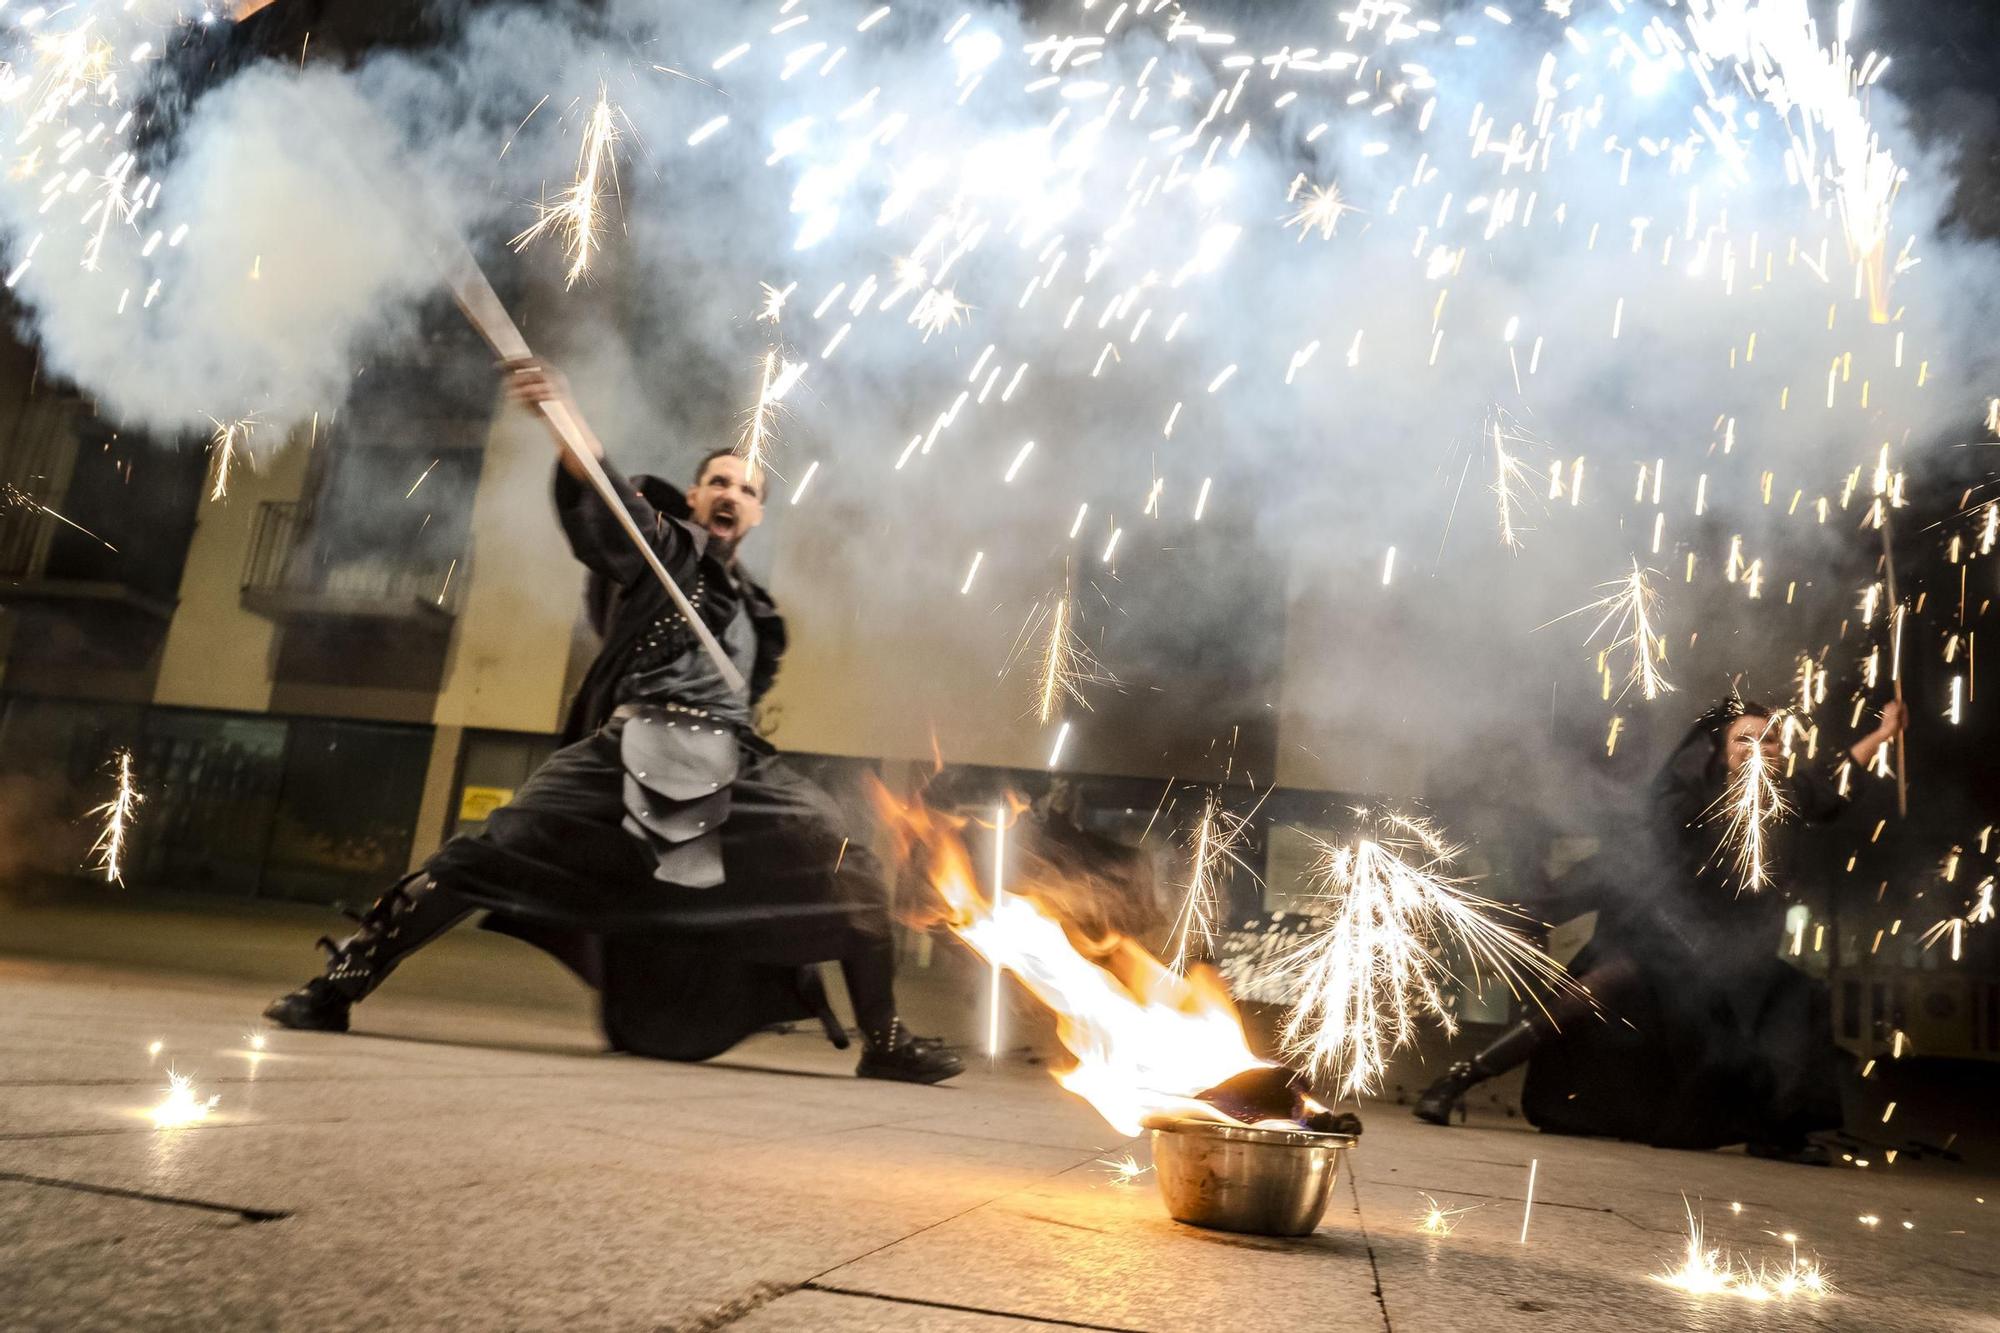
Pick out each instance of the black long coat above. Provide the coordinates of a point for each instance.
(1712, 1039)
(672, 988)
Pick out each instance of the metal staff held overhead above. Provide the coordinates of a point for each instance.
(1895, 671)
(481, 305)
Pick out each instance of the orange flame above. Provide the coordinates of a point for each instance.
(1145, 1038)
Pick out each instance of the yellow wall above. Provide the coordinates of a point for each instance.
(217, 654)
(522, 596)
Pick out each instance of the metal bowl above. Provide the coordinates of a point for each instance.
(1268, 1182)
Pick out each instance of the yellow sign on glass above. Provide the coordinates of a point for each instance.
(476, 803)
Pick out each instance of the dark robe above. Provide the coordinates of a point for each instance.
(685, 969)
(1708, 1037)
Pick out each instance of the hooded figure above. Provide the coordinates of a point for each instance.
(1706, 1035)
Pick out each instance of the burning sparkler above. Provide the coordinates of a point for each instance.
(1513, 485)
(1397, 924)
(1063, 664)
(1752, 802)
(1218, 835)
(109, 849)
(1434, 1219)
(229, 437)
(577, 214)
(1125, 1170)
(1320, 212)
(14, 496)
(760, 423)
(1631, 614)
(181, 1106)
(1706, 1272)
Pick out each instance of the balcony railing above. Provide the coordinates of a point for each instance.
(286, 577)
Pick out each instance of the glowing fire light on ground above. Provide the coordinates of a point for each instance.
(181, 1106)
(1125, 1170)
(1145, 1039)
(1706, 1272)
(109, 849)
(1397, 923)
(1434, 1219)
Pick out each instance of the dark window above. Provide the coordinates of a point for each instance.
(346, 809)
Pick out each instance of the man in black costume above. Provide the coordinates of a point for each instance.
(1709, 1037)
(666, 852)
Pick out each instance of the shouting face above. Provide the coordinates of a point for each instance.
(728, 500)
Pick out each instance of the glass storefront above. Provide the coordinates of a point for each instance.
(234, 805)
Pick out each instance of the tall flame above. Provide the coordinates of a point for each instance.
(1145, 1039)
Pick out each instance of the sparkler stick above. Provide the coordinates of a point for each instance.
(481, 306)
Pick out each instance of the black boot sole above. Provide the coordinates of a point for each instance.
(300, 1017)
(892, 1074)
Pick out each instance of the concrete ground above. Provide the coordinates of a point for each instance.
(485, 1166)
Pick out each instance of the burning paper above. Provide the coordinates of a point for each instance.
(1146, 1040)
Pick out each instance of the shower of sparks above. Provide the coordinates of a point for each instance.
(223, 445)
(255, 1040)
(1434, 1219)
(577, 215)
(1320, 212)
(181, 1106)
(774, 301)
(1834, 150)
(1631, 614)
(1218, 837)
(1977, 913)
(1063, 664)
(1513, 485)
(760, 422)
(12, 496)
(118, 812)
(1706, 1272)
(1396, 925)
(937, 310)
(1124, 1170)
(1751, 804)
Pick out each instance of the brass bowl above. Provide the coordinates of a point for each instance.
(1268, 1182)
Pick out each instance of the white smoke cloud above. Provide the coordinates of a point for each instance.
(1116, 185)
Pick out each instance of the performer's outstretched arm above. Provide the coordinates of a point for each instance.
(595, 535)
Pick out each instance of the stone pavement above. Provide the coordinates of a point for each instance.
(478, 1167)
